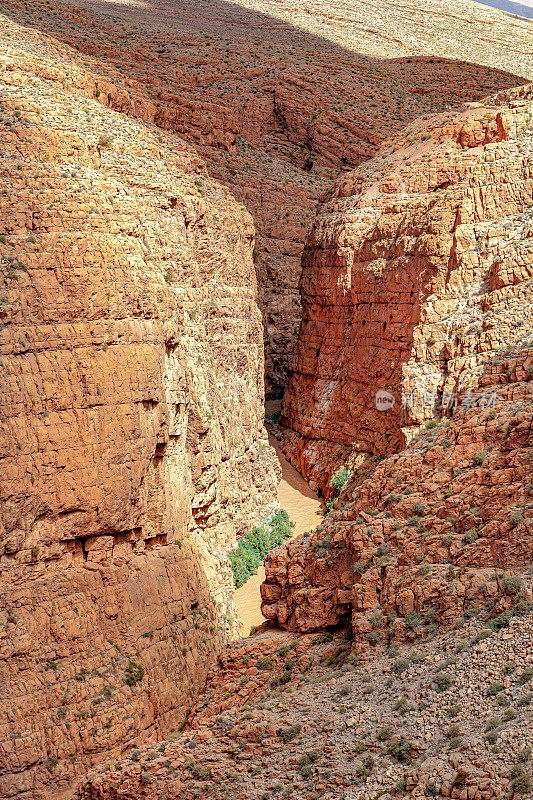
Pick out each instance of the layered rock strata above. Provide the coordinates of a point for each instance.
(275, 111)
(439, 530)
(417, 269)
(132, 446)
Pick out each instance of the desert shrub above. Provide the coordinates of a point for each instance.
(513, 584)
(516, 517)
(501, 621)
(400, 665)
(479, 458)
(339, 479)
(459, 782)
(401, 750)
(418, 509)
(198, 771)
(522, 783)
(442, 681)
(254, 546)
(134, 673)
(402, 706)
(494, 688)
(384, 734)
(525, 676)
(525, 754)
(289, 733)
(412, 620)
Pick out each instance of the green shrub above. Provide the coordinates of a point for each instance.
(289, 733)
(412, 620)
(400, 665)
(479, 458)
(525, 676)
(495, 688)
(418, 509)
(501, 621)
(522, 783)
(198, 772)
(134, 673)
(442, 681)
(254, 546)
(513, 584)
(339, 479)
(401, 750)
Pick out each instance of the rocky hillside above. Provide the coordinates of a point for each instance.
(436, 530)
(277, 109)
(132, 444)
(303, 718)
(417, 271)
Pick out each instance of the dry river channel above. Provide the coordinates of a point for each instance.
(303, 507)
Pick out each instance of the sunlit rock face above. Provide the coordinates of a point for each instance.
(131, 425)
(417, 270)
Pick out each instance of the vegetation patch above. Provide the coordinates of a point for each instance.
(254, 546)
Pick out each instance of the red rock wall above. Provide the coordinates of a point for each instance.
(415, 272)
(132, 445)
(440, 529)
(276, 112)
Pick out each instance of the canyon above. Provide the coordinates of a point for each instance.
(203, 204)
(277, 105)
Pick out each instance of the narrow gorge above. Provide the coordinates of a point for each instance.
(259, 255)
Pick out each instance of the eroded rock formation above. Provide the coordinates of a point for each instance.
(440, 529)
(417, 269)
(275, 111)
(133, 451)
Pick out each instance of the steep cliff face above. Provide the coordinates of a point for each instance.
(416, 271)
(418, 284)
(275, 111)
(132, 446)
(440, 530)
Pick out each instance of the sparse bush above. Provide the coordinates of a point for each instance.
(495, 688)
(134, 673)
(412, 620)
(339, 479)
(402, 706)
(524, 755)
(479, 458)
(513, 584)
(289, 734)
(418, 509)
(516, 517)
(525, 676)
(400, 665)
(401, 750)
(442, 681)
(522, 783)
(384, 734)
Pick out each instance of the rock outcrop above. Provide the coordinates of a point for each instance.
(274, 110)
(132, 445)
(418, 284)
(439, 530)
(417, 270)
